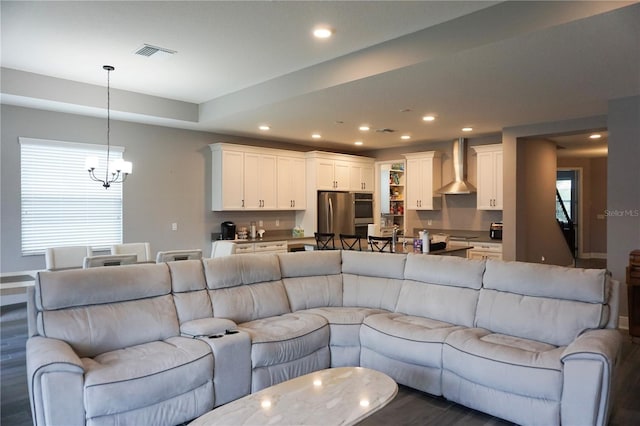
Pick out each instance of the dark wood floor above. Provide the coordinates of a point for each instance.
(410, 407)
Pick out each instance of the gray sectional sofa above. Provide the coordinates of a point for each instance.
(164, 343)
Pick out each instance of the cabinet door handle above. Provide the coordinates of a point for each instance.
(242, 203)
(294, 203)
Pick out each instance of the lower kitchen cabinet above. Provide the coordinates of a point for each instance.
(262, 247)
(485, 251)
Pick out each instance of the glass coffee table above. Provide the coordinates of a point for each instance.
(335, 396)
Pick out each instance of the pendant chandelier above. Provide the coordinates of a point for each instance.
(118, 170)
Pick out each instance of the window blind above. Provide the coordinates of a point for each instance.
(61, 205)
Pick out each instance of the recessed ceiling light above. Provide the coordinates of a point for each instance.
(264, 127)
(405, 137)
(595, 136)
(357, 143)
(467, 129)
(428, 118)
(364, 128)
(316, 136)
(322, 32)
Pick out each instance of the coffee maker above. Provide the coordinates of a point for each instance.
(228, 230)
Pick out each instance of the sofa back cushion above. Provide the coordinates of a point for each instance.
(97, 310)
(190, 290)
(232, 271)
(552, 304)
(372, 279)
(444, 288)
(246, 287)
(312, 279)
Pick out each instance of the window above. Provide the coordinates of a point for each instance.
(61, 205)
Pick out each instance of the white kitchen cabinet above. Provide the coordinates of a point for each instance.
(259, 181)
(291, 183)
(333, 175)
(489, 181)
(270, 247)
(361, 177)
(261, 247)
(247, 178)
(485, 251)
(423, 178)
(337, 172)
(227, 180)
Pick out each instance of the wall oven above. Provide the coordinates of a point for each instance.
(363, 206)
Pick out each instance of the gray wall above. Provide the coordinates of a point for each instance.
(171, 181)
(623, 183)
(540, 238)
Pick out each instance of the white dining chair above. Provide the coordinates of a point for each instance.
(142, 250)
(109, 260)
(65, 257)
(173, 255)
(223, 248)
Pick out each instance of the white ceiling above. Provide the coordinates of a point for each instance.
(488, 65)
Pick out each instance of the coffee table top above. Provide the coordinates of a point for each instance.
(335, 396)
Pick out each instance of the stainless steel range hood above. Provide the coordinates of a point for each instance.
(459, 184)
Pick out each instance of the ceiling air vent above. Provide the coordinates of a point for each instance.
(385, 130)
(155, 51)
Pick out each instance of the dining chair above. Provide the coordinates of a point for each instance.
(65, 257)
(142, 250)
(174, 255)
(380, 243)
(109, 260)
(222, 248)
(349, 242)
(325, 240)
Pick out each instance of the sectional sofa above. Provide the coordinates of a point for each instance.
(164, 343)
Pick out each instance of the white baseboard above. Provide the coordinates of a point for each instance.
(623, 323)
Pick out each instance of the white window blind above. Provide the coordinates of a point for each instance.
(61, 205)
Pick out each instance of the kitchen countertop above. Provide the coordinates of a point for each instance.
(269, 236)
(461, 235)
(286, 235)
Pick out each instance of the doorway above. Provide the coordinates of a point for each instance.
(568, 207)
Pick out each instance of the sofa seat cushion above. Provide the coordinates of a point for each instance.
(285, 338)
(509, 364)
(406, 338)
(146, 374)
(344, 315)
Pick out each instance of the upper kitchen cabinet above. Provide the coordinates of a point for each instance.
(332, 174)
(260, 181)
(489, 179)
(423, 178)
(227, 178)
(291, 183)
(339, 172)
(361, 177)
(248, 178)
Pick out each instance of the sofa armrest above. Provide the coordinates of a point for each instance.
(589, 363)
(55, 378)
(205, 327)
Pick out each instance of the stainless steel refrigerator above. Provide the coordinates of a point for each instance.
(336, 212)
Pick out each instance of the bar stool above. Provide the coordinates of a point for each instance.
(324, 239)
(348, 242)
(380, 243)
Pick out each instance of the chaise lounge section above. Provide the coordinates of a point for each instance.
(165, 343)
